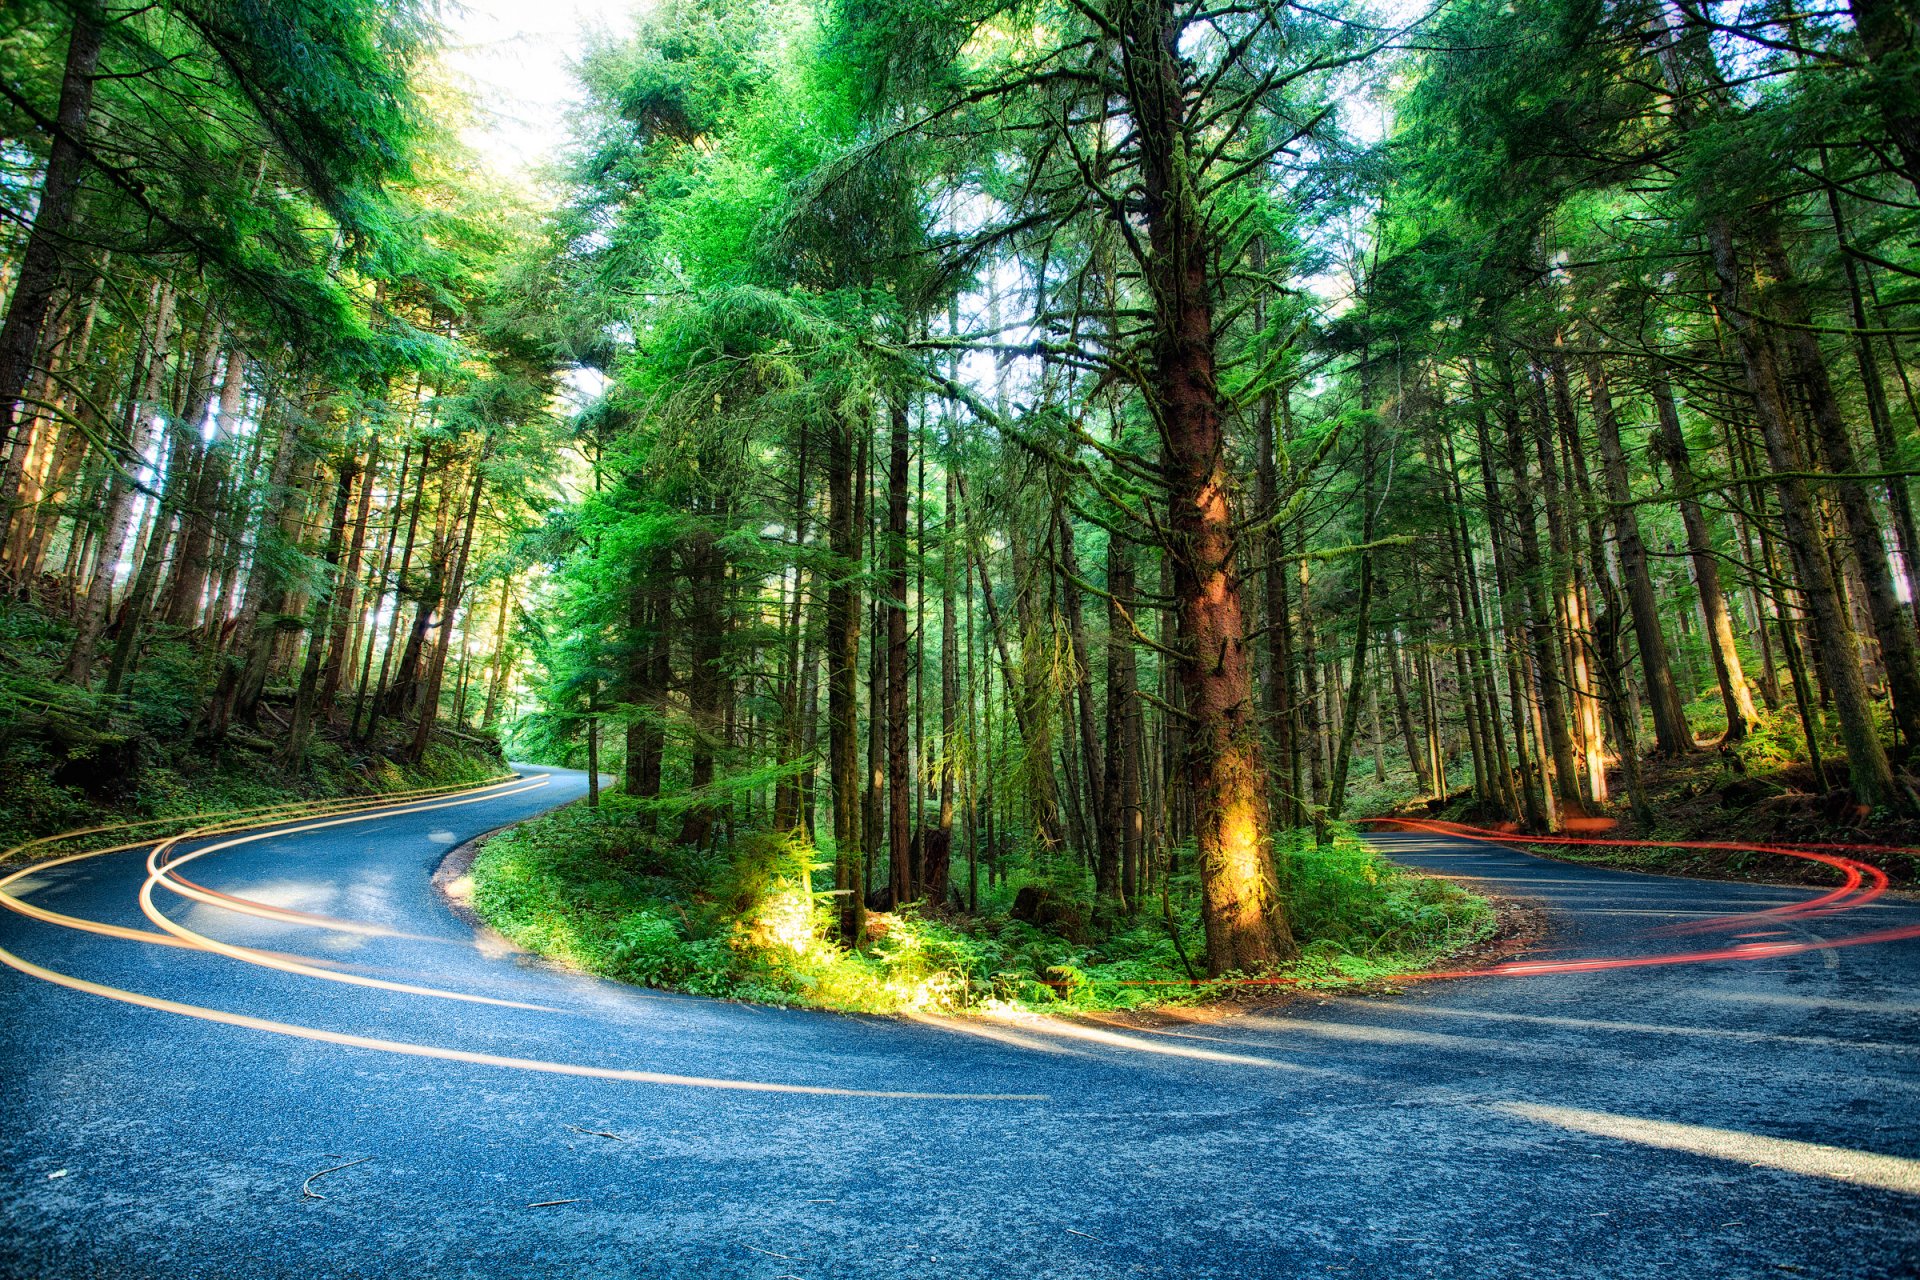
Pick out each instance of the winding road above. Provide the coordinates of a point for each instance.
(301, 1000)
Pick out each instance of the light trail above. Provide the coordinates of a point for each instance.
(1861, 883)
(409, 1049)
(268, 960)
(179, 936)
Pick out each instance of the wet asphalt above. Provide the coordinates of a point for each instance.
(1726, 1118)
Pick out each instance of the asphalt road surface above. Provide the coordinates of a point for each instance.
(162, 1107)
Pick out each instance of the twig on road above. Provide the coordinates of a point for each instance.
(1070, 1231)
(548, 1204)
(597, 1133)
(306, 1188)
(785, 1257)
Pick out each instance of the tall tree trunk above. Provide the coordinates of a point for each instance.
(1885, 445)
(447, 608)
(949, 650)
(1124, 814)
(378, 585)
(1569, 593)
(1276, 655)
(346, 603)
(324, 617)
(705, 623)
(843, 674)
(138, 426)
(899, 771)
(1418, 758)
(649, 674)
(381, 691)
(1536, 576)
(52, 237)
(1106, 841)
(1246, 924)
(1671, 443)
(1808, 366)
(1671, 735)
(1362, 633)
(1837, 649)
(201, 516)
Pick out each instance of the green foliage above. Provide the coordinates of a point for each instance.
(73, 757)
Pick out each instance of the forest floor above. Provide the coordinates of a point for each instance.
(73, 758)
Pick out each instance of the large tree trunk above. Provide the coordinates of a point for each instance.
(1246, 924)
(843, 675)
(949, 653)
(1106, 844)
(1837, 649)
(1672, 445)
(343, 627)
(1536, 578)
(706, 622)
(1276, 655)
(1570, 597)
(1808, 366)
(381, 692)
(1123, 813)
(52, 220)
(1671, 735)
(377, 589)
(1886, 30)
(243, 677)
(899, 770)
(325, 617)
(1417, 756)
(118, 511)
(447, 607)
(1362, 633)
(788, 791)
(196, 538)
(649, 675)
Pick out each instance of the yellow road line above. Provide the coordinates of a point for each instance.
(267, 960)
(357, 804)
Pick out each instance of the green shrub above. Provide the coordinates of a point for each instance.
(592, 887)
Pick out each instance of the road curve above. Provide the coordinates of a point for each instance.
(167, 1097)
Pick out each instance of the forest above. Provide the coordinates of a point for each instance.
(992, 492)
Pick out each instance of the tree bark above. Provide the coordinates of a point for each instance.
(899, 771)
(1671, 735)
(39, 276)
(1246, 924)
(1671, 443)
(843, 673)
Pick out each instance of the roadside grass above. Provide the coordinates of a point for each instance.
(595, 890)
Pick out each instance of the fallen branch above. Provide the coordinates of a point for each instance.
(596, 1133)
(548, 1204)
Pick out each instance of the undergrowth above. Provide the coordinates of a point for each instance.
(72, 757)
(591, 888)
